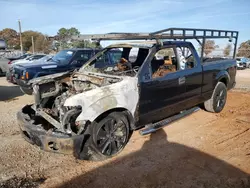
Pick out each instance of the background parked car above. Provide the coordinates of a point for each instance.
(3, 65)
(65, 60)
(240, 64)
(18, 57)
(5, 62)
(29, 59)
(247, 63)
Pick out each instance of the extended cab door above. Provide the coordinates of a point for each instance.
(192, 74)
(162, 95)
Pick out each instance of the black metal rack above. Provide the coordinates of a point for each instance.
(169, 33)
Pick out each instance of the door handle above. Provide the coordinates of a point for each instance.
(182, 80)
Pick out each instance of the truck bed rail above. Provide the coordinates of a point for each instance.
(169, 33)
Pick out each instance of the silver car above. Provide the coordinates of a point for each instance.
(247, 64)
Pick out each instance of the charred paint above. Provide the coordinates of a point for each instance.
(123, 94)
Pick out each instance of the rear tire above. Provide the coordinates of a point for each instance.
(218, 100)
(108, 137)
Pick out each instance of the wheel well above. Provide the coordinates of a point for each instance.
(223, 80)
(124, 110)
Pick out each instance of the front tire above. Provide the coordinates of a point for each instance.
(218, 100)
(27, 91)
(108, 137)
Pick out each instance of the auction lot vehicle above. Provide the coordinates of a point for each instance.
(91, 113)
(30, 59)
(240, 64)
(5, 62)
(18, 57)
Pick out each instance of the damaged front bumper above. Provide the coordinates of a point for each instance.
(48, 140)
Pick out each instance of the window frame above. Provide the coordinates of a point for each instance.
(153, 55)
(193, 54)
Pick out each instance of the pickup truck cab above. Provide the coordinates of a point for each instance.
(92, 112)
(65, 60)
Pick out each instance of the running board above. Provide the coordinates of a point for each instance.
(158, 125)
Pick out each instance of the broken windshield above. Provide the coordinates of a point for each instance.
(118, 61)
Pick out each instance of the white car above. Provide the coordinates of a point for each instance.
(247, 64)
(240, 65)
(29, 59)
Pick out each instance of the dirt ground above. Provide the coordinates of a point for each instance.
(243, 79)
(202, 150)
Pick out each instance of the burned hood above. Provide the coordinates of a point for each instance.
(37, 64)
(100, 79)
(49, 78)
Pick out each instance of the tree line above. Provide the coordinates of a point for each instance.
(43, 43)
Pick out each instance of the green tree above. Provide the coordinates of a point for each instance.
(64, 39)
(64, 35)
(73, 31)
(227, 50)
(85, 44)
(244, 49)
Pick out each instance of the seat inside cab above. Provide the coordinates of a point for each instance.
(163, 65)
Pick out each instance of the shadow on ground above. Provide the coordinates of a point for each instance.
(9, 92)
(160, 163)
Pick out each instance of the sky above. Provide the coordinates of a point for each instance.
(103, 16)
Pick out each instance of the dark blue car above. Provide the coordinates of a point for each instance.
(65, 60)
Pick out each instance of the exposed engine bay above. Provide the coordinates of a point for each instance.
(50, 95)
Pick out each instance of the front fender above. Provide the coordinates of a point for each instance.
(95, 102)
(90, 111)
(107, 103)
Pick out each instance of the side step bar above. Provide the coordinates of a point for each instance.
(158, 125)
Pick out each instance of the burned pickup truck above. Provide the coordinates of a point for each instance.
(91, 113)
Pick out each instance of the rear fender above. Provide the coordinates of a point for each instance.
(222, 76)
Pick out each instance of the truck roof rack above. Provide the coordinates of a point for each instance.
(169, 33)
